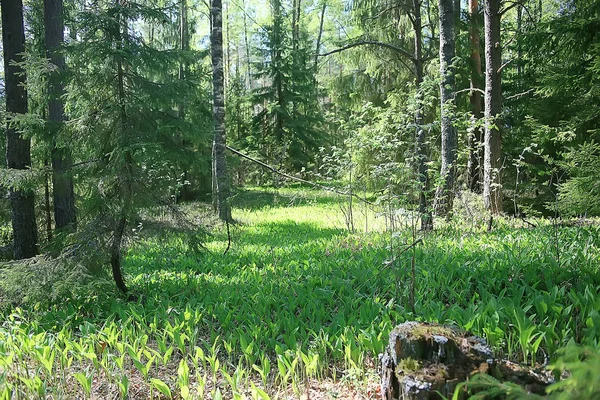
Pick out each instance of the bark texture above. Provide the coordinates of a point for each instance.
(445, 192)
(62, 182)
(475, 138)
(219, 141)
(421, 148)
(184, 44)
(319, 36)
(492, 159)
(424, 360)
(126, 175)
(18, 149)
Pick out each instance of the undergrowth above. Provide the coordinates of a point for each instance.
(298, 299)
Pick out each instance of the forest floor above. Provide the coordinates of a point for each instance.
(299, 306)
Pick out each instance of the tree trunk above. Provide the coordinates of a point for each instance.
(126, 178)
(62, 182)
(18, 149)
(247, 45)
(421, 149)
(492, 171)
(219, 141)
(184, 45)
(324, 7)
(296, 24)
(445, 194)
(47, 206)
(475, 138)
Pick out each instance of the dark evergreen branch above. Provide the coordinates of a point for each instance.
(373, 43)
(512, 5)
(382, 12)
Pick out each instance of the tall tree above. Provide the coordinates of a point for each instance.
(444, 195)
(289, 122)
(62, 182)
(421, 148)
(381, 13)
(492, 171)
(219, 140)
(475, 137)
(18, 148)
(184, 45)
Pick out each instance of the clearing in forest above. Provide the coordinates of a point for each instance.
(299, 307)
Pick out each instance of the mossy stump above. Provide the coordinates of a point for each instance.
(424, 359)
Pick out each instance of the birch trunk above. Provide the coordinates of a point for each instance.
(492, 171)
(219, 141)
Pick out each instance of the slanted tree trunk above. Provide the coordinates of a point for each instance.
(492, 173)
(219, 141)
(18, 149)
(445, 194)
(62, 182)
(247, 45)
(421, 148)
(475, 138)
(320, 35)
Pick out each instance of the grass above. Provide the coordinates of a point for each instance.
(298, 305)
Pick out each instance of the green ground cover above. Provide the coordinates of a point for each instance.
(299, 300)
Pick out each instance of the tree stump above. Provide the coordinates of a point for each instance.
(424, 359)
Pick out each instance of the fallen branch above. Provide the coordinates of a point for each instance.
(295, 178)
(373, 43)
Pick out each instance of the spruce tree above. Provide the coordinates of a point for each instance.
(125, 106)
(18, 148)
(290, 122)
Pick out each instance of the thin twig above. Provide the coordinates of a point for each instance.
(228, 237)
(471, 89)
(516, 96)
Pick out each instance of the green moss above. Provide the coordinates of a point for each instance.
(409, 364)
(426, 331)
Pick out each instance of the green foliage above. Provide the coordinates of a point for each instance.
(577, 369)
(44, 281)
(288, 127)
(297, 296)
(580, 195)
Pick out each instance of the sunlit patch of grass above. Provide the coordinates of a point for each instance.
(299, 302)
